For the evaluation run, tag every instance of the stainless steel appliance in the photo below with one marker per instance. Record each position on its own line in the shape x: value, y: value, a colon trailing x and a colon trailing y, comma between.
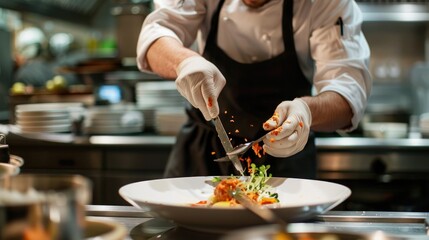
x: 6, y: 71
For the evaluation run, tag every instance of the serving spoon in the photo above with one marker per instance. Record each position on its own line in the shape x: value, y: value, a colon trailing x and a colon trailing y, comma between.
x: 242, y: 148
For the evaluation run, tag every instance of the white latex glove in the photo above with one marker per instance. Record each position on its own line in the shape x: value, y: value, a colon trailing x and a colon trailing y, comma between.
x: 290, y: 125
x: 200, y: 82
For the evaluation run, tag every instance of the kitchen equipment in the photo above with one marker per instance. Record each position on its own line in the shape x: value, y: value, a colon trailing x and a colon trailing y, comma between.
x: 4, y: 149
x: 173, y: 199
x: 5, y: 156
x: 36, y: 206
x: 419, y: 77
x: 242, y: 148
x: 227, y: 144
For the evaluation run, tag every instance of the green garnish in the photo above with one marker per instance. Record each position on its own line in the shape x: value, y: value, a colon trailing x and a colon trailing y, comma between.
x: 216, y: 179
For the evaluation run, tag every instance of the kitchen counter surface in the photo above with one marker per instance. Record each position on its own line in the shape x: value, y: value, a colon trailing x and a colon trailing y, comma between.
x: 141, y: 225
x: 337, y: 143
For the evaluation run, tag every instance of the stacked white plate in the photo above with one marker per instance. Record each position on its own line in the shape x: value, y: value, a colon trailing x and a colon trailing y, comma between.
x: 47, y: 117
x: 424, y: 125
x: 168, y: 121
x: 113, y: 119
x: 158, y: 94
x: 153, y: 95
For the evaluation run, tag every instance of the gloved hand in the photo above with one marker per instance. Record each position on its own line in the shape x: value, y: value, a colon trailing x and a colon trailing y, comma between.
x: 290, y: 127
x: 200, y: 82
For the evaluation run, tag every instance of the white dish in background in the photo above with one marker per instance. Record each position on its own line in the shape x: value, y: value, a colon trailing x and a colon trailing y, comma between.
x: 115, y: 119
x: 37, y: 109
x: 100, y: 229
x: 47, y: 117
x: 171, y: 198
x: 47, y: 106
x: 385, y: 129
x: 112, y: 130
x: 42, y: 117
x: 47, y: 129
x: 37, y: 123
x: 169, y: 121
x: 158, y: 94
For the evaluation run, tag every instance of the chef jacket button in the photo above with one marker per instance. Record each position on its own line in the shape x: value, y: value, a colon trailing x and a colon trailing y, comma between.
x: 266, y: 37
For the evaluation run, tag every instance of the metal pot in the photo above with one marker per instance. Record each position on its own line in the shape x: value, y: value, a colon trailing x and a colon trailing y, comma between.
x: 37, y: 206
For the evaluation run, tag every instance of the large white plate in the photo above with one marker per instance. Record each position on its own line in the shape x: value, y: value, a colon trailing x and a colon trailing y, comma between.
x: 170, y: 198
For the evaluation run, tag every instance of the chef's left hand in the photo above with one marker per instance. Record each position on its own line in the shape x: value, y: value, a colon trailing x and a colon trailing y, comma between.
x: 290, y: 127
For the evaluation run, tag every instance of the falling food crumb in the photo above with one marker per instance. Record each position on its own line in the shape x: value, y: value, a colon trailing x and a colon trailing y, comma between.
x: 229, y: 133
x: 251, y: 125
x: 213, y: 153
x: 237, y: 131
x: 245, y: 139
x: 226, y: 112
x: 232, y: 116
x: 232, y: 120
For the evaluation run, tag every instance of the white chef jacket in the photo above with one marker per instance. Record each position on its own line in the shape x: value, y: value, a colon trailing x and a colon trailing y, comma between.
x: 331, y: 60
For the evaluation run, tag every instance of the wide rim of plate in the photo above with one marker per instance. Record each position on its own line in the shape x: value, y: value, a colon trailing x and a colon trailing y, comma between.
x: 217, y: 219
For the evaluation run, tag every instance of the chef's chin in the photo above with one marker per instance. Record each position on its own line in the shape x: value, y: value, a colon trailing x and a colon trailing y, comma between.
x: 255, y: 3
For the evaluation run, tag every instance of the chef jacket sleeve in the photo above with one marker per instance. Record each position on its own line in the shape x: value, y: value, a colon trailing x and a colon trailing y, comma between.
x: 341, y: 53
x: 176, y: 19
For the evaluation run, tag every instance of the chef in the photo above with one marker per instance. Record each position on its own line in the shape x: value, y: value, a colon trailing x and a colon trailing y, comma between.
x: 292, y: 67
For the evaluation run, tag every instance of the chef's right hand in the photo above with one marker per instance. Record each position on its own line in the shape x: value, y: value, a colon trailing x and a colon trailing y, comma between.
x: 200, y: 82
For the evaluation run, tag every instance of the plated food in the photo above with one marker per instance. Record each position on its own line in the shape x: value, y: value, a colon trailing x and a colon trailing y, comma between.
x: 171, y: 198
x: 255, y: 187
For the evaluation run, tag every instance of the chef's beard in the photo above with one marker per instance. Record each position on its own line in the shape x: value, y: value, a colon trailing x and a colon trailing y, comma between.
x: 255, y: 3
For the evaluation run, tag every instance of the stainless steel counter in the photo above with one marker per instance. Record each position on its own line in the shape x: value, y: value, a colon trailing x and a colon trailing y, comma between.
x: 141, y: 225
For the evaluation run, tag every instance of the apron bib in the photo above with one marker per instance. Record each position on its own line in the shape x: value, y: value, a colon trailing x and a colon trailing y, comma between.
x: 249, y: 98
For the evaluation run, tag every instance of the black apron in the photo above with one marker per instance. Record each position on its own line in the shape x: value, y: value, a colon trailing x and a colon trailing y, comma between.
x: 250, y: 96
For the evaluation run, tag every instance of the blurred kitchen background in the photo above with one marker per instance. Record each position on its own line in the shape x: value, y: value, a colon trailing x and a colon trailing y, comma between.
x: 91, y: 44
x: 86, y: 49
